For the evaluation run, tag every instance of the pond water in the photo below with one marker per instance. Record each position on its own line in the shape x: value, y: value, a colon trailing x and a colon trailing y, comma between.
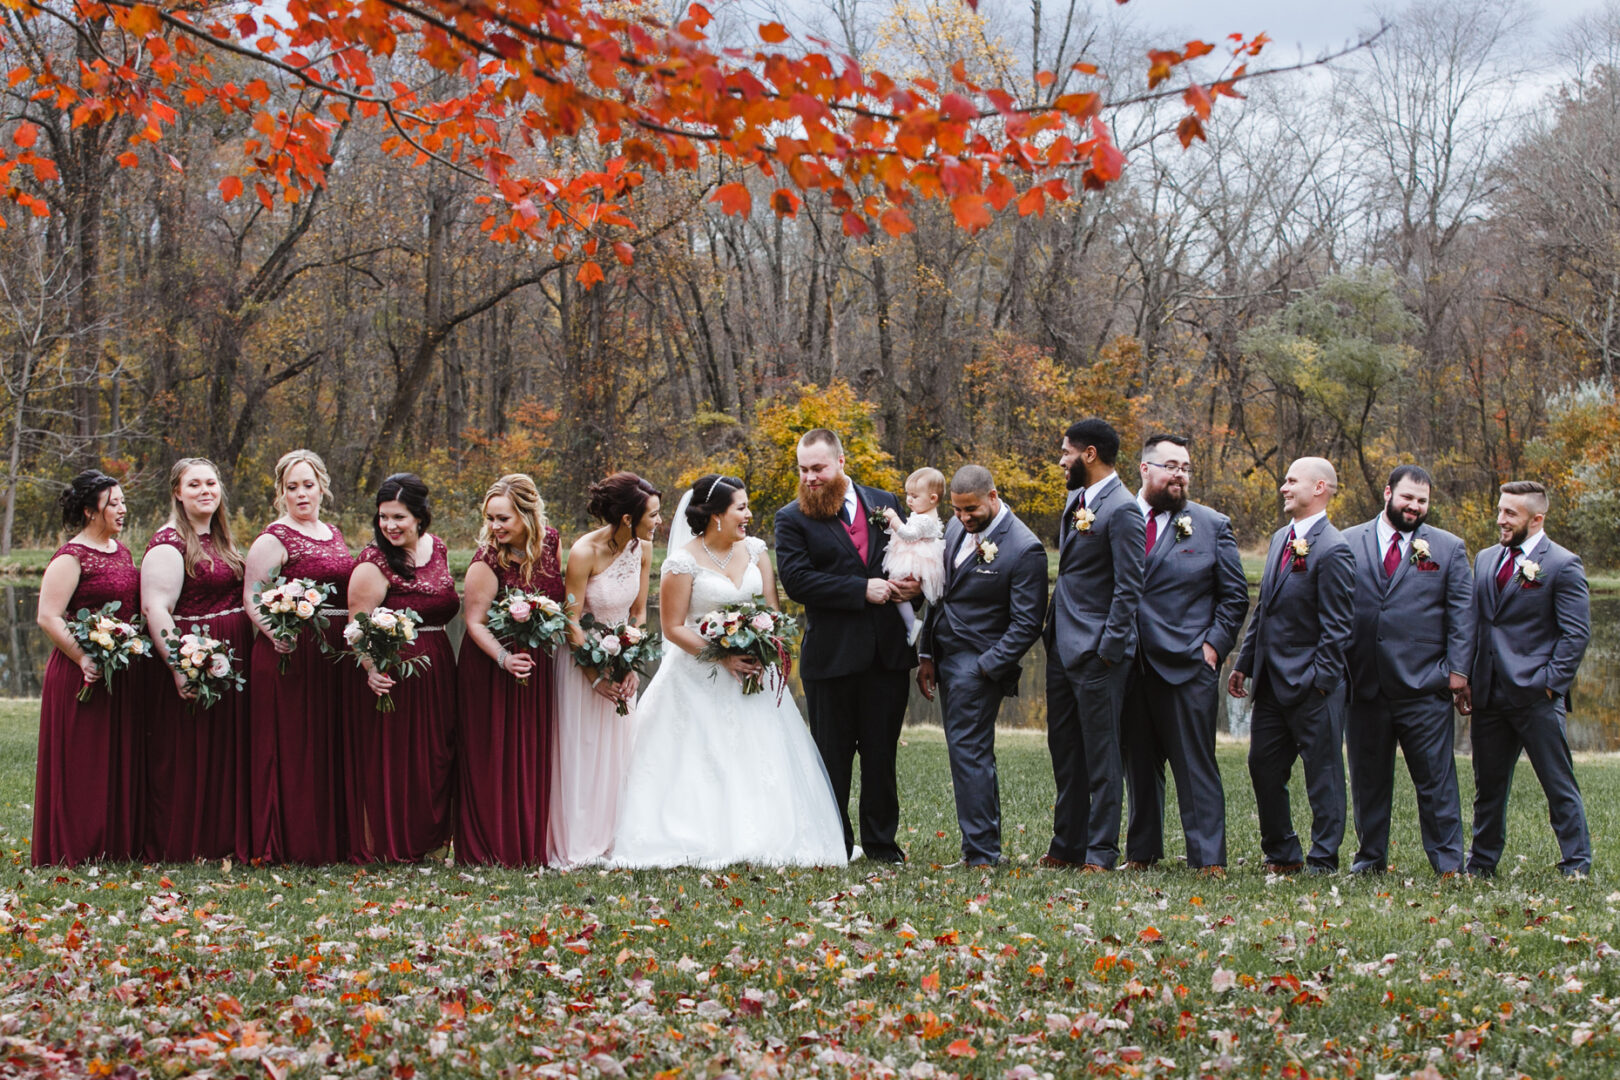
x: 1594, y: 723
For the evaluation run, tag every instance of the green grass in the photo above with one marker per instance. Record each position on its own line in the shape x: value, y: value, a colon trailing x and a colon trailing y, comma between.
x: 1021, y: 972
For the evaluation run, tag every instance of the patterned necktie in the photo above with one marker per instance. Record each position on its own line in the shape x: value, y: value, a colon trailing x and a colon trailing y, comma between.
x: 1152, y: 532
x: 1288, y: 552
x: 1504, y: 574
x: 1392, y: 557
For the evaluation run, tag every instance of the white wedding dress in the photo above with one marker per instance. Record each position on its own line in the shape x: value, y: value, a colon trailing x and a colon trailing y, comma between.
x: 718, y: 777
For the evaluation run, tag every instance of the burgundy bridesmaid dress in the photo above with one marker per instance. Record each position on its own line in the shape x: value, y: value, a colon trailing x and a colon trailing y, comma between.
x: 87, y: 786
x: 506, y: 738
x: 198, y: 783
x: 400, y: 766
x: 296, y: 716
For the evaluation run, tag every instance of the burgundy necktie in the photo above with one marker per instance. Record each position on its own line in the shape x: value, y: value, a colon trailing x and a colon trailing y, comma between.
x: 1152, y: 532
x: 1392, y: 557
x: 1288, y: 552
x: 1505, y: 573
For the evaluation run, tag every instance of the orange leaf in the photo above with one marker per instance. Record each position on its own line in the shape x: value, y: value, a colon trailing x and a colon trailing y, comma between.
x: 1151, y: 934
x: 961, y: 1048
x: 588, y: 276
x: 1032, y: 201
x: 25, y: 135
x: 1189, y: 129
x: 128, y: 159
x: 1044, y: 78
x: 733, y: 198
x: 972, y: 212
x: 896, y: 222
x: 142, y: 19
x: 855, y: 225
x: 784, y: 202
x: 773, y: 33
x: 1198, y: 98
x: 624, y: 252
x: 930, y: 982
x: 264, y: 196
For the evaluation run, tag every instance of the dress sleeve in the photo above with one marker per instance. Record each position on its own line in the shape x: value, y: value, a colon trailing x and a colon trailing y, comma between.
x: 166, y: 537
x: 679, y: 562
x: 756, y: 549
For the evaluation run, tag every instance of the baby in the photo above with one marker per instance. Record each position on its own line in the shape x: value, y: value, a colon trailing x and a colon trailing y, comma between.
x: 917, y: 545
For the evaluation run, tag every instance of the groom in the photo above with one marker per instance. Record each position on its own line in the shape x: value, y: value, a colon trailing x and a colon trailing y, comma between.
x: 990, y: 614
x: 855, y: 659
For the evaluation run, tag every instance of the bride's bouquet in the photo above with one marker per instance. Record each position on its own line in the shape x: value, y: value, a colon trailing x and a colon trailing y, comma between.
x: 108, y: 640
x: 528, y: 620
x: 208, y: 664
x: 380, y: 635
x: 752, y: 628
x: 287, y: 607
x: 615, y: 650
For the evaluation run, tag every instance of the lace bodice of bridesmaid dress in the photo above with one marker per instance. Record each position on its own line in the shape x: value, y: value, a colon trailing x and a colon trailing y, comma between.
x: 610, y: 593
x: 712, y: 589
x: 104, y: 576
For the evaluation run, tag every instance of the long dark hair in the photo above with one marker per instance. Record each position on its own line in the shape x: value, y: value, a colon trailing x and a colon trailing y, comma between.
x: 711, y: 497
x: 404, y: 488
x: 83, y: 494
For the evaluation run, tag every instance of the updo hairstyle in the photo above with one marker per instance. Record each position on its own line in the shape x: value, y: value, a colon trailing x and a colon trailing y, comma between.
x: 612, y: 497
x: 82, y: 497
x: 711, y: 497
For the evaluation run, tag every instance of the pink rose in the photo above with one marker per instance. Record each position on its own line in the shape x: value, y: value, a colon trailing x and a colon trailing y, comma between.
x: 520, y: 610
x: 610, y: 645
x: 219, y: 666
x: 761, y: 622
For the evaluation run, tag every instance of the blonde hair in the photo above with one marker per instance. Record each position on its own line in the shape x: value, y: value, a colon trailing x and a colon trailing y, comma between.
x: 323, y: 479
x: 929, y: 480
x: 219, y: 530
x: 530, y: 508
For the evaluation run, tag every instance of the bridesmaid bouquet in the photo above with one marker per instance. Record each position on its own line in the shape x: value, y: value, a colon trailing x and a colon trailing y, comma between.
x: 208, y: 664
x: 380, y: 634
x: 756, y: 630
x: 615, y: 650
x: 528, y: 620
x: 287, y: 607
x: 108, y: 640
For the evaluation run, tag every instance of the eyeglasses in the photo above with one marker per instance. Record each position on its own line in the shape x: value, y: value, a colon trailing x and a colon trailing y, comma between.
x: 1173, y: 470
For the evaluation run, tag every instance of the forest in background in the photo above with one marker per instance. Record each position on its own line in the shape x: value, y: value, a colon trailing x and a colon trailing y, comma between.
x: 1413, y: 254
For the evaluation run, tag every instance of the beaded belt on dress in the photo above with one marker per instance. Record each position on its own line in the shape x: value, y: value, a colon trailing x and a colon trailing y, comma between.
x: 210, y: 615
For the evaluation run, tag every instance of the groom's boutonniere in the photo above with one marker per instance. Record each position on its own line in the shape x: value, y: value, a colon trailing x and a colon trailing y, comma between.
x: 1530, y: 572
x: 1301, y: 547
x: 1420, y: 552
x: 1083, y: 519
x: 987, y: 552
x: 1183, y: 526
x: 877, y: 519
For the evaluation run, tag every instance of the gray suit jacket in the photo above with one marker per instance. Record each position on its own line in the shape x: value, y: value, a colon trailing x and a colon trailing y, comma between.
x: 1193, y: 592
x: 1304, y: 618
x: 1531, y: 636
x: 1415, y: 628
x: 1099, y: 580
x: 993, y: 608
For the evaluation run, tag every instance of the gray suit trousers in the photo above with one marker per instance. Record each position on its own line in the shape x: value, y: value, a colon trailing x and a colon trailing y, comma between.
x: 1422, y: 726
x: 1083, y: 706
x: 970, y: 703
x: 1312, y: 731
x: 1538, y: 729
x: 1175, y: 723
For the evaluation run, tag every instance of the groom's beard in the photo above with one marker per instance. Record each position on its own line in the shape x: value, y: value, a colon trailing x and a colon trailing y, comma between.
x: 825, y: 502
x: 1162, y: 500
x: 1076, y: 477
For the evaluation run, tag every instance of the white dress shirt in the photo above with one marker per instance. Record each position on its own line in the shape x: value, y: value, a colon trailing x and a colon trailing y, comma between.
x: 1094, y: 492
x: 970, y: 541
x: 1385, y: 532
x: 852, y: 503
x: 1527, y: 550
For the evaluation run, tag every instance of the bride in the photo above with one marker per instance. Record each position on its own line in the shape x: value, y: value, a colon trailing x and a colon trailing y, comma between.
x: 718, y: 777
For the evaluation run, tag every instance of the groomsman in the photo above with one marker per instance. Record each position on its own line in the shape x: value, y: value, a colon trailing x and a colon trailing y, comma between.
x: 1411, y: 653
x: 855, y: 659
x: 1090, y: 639
x: 1194, y: 597
x: 1530, y: 600
x: 1294, y: 651
x: 986, y: 620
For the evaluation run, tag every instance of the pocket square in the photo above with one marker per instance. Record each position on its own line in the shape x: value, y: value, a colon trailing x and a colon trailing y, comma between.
x: 1299, y: 566
x: 984, y: 570
x: 1428, y: 567
x: 1529, y: 584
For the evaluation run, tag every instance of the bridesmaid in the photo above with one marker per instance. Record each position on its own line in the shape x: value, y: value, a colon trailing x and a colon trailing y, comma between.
x: 401, y: 778
x: 507, y: 722
x: 608, y: 570
x: 87, y: 786
x: 198, y: 778
x: 297, y: 791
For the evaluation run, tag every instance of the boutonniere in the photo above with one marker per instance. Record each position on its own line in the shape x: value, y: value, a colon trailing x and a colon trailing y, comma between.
x: 1301, y: 547
x: 1529, y: 572
x: 877, y: 519
x: 987, y: 552
x: 1420, y: 552
x: 1083, y: 519
x: 1183, y: 526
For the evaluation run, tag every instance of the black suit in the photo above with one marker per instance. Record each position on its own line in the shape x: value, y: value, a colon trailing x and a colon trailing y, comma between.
x: 855, y: 661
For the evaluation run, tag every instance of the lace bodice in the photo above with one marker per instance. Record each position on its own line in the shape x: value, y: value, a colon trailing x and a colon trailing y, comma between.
x: 214, y: 587
x: 610, y: 593
x: 431, y: 593
x: 547, y: 577
x: 323, y: 560
x: 920, y: 527
x: 711, y: 588
x: 104, y: 576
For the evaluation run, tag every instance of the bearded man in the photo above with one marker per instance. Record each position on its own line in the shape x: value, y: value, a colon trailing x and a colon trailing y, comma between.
x: 855, y: 660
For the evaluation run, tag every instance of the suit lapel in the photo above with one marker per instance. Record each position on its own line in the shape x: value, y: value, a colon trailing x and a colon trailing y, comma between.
x: 1372, y: 559
x: 1066, y: 522
x: 1493, y: 598
x: 1516, y: 582
x: 1164, y: 541
x: 959, y: 574
x: 1278, y: 543
x: 953, y: 548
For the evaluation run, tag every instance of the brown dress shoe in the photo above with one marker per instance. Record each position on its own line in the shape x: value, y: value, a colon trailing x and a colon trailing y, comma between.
x: 1212, y: 871
x: 1095, y: 868
x: 1138, y: 864
x: 1052, y: 862
x: 1284, y: 867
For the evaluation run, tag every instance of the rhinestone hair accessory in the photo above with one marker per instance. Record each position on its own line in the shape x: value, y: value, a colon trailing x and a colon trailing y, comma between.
x: 712, y: 486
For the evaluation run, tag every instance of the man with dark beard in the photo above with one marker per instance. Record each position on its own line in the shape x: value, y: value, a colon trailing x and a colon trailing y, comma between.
x: 855, y: 660
x: 1534, y: 620
x: 1409, y: 657
x: 1194, y: 598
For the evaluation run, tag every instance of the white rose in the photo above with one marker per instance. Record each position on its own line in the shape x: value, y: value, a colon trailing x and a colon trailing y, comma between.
x: 610, y: 645
x: 407, y: 630
x: 385, y: 621
x: 312, y: 595
x: 633, y: 635
x: 219, y: 666
x: 352, y: 633
x: 306, y: 610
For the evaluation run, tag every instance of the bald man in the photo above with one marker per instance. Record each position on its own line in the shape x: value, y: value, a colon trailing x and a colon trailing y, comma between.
x: 1294, y: 651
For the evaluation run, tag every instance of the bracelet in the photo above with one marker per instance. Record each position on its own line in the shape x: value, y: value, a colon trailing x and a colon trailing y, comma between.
x: 500, y: 661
